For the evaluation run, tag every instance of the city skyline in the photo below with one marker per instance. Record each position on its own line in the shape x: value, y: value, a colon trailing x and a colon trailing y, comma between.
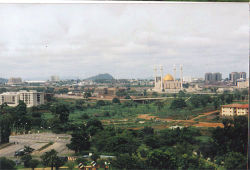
x: 124, y: 40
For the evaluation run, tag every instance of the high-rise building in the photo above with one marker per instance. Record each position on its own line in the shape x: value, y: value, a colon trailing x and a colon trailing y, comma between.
x: 216, y: 77
x: 55, y: 78
x: 234, y: 76
x: 243, y: 75
x: 208, y: 77
x: 213, y: 77
x: 14, y: 80
x: 30, y: 98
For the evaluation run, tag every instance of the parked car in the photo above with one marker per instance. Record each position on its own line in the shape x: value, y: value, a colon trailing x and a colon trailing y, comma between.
x: 20, y: 152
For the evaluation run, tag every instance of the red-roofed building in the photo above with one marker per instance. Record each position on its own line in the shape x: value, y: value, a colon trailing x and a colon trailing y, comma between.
x: 234, y: 110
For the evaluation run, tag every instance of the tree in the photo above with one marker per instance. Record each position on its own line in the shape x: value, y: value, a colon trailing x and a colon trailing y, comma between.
x: 205, y: 99
x: 127, y: 97
x: 78, y: 104
x: 152, y: 141
x: 181, y: 94
x: 28, y: 149
x: 229, y: 98
x: 79, y: 140
x: 159, y: 159
x: 178, y: 104
x: 148, y: 130
x: 62, y: 110
x: 195, y: 101
x: 59, y: 162
x: 87, y: 94
x: 94, y: 157
x: 189, y: 162
x: 93, y: 126
x: 5, y: 130
x: 119, y: 143
x: 85, y: 116
x: 116, y: 100
x: 235, y: 160
x: 159, y: 105
x: 224, y: 138
x: 126, y: 161
x: 7, y: 163
x: 26, y: 159
x: 21, y: 108
x: 33, y: 163
x: 51, y: 159
x: 216, y: 103
x: 100, y: 103
x: 70, y: 165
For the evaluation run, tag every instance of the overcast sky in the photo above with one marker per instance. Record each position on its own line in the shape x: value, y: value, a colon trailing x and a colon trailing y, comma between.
x: 125, y: 40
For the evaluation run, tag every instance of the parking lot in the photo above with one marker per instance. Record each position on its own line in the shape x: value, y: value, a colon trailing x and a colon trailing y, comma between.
x: 36, y: 141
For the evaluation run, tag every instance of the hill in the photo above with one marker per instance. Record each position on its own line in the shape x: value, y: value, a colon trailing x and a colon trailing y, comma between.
x: 2, y: 80
x: 105, y: 76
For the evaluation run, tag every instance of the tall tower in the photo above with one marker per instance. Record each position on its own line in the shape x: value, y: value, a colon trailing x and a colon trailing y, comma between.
x: 155, y: 70
x: 181, y: 76
x: 174, y: 72
x: 161, y: 68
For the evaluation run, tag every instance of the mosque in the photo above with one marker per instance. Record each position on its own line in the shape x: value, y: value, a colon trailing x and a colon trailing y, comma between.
x: 168, y: 83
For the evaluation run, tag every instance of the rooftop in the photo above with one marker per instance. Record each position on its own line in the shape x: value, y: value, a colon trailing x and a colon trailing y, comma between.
x: 236, y: 105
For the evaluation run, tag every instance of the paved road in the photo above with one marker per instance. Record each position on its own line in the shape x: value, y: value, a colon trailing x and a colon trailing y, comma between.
x: 36, y: 141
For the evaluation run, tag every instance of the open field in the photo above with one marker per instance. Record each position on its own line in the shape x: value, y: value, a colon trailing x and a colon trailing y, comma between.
x: 191, y: 122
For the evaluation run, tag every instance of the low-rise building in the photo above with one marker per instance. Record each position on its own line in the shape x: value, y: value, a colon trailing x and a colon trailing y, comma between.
x: 243, y: 84
x: 30, y: 98
x: 234, y: 110
x: 14, y: 80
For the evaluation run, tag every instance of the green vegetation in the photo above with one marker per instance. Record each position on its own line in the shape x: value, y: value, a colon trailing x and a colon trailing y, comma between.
x: 52, y: 160
x: 184, y: 148
x: 105, y: 127
x: 7, y: 163
x: 210, y: 0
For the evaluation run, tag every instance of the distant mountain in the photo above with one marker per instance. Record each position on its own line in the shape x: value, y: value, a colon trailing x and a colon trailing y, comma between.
x: 2, y: 80
x: 105, y: 76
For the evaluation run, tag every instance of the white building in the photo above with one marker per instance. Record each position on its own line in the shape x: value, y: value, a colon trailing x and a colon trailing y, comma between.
x: 14, y: 80
x: 187, y: 79
x: 234, y: 110
x: 168, y: 83
x: 55, y: 78
x: 243, y: 84
x: 30, y: 98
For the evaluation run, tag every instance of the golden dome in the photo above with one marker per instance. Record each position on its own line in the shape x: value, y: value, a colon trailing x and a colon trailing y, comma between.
x: 168, y: 77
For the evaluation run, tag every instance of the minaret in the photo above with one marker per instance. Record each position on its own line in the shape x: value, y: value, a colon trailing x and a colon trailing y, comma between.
x: 155, y: 70
x: 174, y: 72
x: 161, y: 68
x: 181, y: 76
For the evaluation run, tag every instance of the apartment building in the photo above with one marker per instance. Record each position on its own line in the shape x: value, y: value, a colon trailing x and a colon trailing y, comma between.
x: 14, y: 80
x: 234, y: 110
x: 213, y: 77
x: 30, y: 98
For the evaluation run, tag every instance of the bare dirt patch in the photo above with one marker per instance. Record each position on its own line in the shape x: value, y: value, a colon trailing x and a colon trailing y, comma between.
x: 207, y: 124
x: 191, y: 122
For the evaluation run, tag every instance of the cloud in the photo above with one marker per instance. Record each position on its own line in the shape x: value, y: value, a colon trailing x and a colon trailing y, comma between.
x: 126, y: 40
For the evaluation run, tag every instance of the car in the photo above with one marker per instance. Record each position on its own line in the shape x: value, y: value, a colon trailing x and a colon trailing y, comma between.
x: 20, y: 152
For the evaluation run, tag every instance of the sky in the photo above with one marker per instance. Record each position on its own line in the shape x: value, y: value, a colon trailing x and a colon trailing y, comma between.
x: 125, y: 40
